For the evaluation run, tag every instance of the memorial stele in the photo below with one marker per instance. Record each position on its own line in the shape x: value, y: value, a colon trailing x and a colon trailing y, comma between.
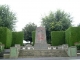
x: 40, y: 39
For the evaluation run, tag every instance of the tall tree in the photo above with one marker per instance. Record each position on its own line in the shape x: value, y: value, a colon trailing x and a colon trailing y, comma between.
x: 28, y: 31
x: 7, y: 18
x: 58, y: 21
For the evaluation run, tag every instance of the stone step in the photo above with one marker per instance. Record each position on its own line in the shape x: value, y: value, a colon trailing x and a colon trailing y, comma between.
x: 78, y: 54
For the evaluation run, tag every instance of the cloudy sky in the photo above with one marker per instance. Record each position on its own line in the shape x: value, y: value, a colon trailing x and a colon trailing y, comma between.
x: 33, y: 10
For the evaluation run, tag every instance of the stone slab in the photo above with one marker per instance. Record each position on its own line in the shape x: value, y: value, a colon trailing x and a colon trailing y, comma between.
x: 72, y: 51
x: 40, y: 39
x: 13, y: 52
x: 18, y: 46
x: 40, y: 35
x: 6, y: 56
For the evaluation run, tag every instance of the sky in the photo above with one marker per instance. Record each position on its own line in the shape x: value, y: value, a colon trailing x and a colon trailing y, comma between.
x: 33, y: 10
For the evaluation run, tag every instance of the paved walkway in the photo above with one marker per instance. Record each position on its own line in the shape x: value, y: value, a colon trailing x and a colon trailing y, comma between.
x: 47, y: 58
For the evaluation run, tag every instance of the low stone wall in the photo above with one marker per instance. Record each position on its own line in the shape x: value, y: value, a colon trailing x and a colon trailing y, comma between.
x: 42, y: 53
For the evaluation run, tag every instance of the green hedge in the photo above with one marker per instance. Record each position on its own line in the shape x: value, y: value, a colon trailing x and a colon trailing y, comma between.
x: 5, y: 37
x: 67, y: 36
x: 9, y: 38
x: 72, y: 35
x: 57, y: 38
x: 17, y: 38
x: 33, y: 37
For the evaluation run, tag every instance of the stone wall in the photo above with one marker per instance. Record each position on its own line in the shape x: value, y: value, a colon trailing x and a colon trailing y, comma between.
x: 42, y: 53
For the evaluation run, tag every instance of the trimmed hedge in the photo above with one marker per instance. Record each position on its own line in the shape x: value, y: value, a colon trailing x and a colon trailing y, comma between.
x: 5, y: 37
x: 67, y: 36
x: 33, y: 37
x: 57, y: 38
x: 72, y: 35
x: 9, y: 38
x: 17, y: 38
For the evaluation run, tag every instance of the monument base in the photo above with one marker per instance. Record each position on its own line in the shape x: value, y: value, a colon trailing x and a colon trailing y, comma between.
x: 42, y: 53
x: 39, y: 46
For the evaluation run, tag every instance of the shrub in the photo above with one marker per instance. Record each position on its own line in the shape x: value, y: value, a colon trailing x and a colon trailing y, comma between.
x: 67, y: 36
x: 33, y: 37
x: 72, y: 35
x: 57, y: 38
x: 5, y: 37
x: 9, y: 39
x: 17, y: 38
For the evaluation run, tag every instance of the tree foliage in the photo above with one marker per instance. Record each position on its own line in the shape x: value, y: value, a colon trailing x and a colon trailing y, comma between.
x: 7, y: 18
x: 58, y: 21
x: 28, y: 31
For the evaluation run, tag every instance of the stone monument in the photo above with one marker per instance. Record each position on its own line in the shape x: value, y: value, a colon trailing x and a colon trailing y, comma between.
x: 40, y: 39
x: 14, y: 52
